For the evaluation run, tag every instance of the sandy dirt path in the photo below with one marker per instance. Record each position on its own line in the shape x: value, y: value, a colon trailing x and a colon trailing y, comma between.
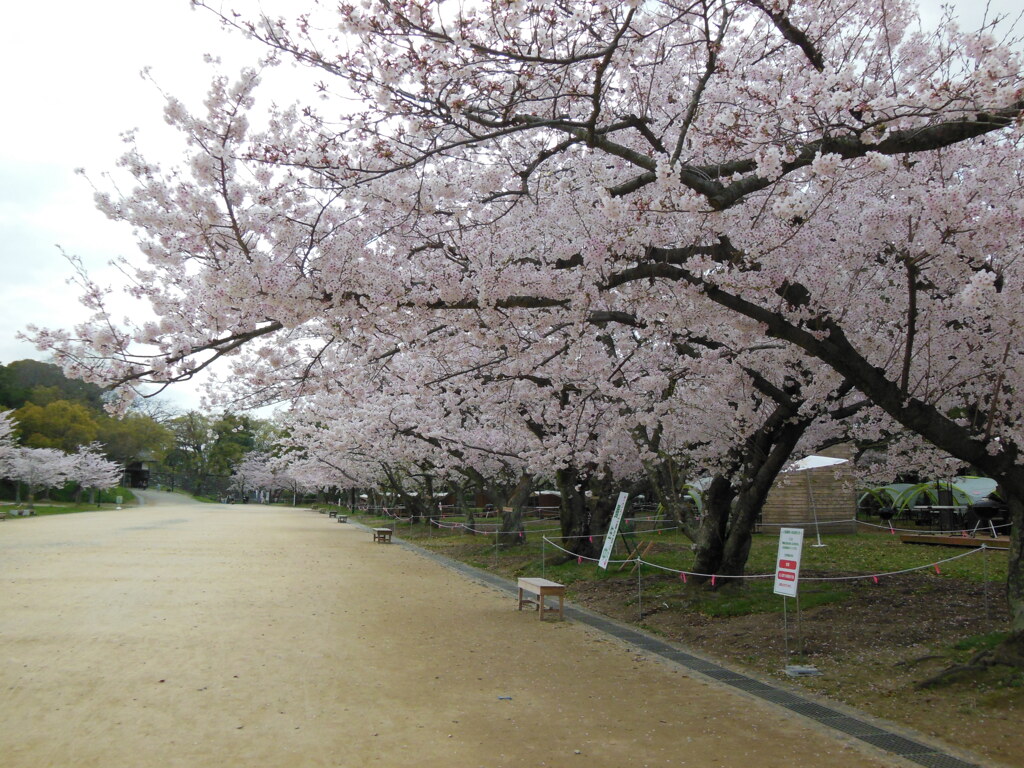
x: 180, y: 634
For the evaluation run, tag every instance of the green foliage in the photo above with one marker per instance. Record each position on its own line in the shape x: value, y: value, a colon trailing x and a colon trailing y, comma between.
x: 69, y: 494
x: 61, y: 424
x: 199, y: 451
x: 206, y: 448
x: 134, y: 437
x: 56, y: 412
x: 25, y: 381
x: 64, y: 505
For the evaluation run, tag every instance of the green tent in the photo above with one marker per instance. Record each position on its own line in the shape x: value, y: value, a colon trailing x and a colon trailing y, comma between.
x: 966, y: 491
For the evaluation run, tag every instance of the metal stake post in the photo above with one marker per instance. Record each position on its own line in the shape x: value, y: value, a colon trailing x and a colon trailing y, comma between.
x: 785, y: 627
x: 639, y: 589
x: 814, y: 511
x: 799, y: 625
x: 984, y: 554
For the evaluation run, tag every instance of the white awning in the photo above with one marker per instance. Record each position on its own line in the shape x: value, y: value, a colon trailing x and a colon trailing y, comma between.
x: 813, y: 462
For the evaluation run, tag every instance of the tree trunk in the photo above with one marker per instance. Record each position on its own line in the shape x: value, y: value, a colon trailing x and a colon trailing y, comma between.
x: 670, y: 491
x: 513, y: 533
x: 576, y: 517
x: 463, y: 509
x: 1013, y: 495
x: 750, y: 500
x: 430, y: 508
x: 710, y: 539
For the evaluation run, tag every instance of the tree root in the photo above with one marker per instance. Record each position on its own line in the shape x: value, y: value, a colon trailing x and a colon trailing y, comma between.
x: 950, y: 675
x: 919, y: 660
x: 1009, y: 653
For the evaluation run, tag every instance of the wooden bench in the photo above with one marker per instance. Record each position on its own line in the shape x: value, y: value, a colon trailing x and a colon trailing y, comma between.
x: 382, y: 535
x: 342, y: 518
x: 541, y: 588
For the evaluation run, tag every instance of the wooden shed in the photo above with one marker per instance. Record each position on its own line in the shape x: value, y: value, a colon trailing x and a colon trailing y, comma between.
x: 826, y: 494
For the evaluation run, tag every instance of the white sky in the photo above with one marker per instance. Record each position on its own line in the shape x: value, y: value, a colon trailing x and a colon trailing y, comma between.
x: 71, y: 86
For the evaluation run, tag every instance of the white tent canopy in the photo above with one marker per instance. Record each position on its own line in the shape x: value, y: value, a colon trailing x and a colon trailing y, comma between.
x: 813, y: 462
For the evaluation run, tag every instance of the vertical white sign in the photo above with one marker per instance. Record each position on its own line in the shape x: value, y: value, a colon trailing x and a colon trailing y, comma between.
x: 787, y: 563
x: 613, y: 530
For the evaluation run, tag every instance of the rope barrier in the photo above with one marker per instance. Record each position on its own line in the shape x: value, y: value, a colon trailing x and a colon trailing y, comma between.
x: 877, y: 576
x: 810, y: 523
x: 455, y: 526
x: 552, y: 540
x: 713, y: 576
x: 952, y: 532
x: 603, y: 535
x: 581, y: 558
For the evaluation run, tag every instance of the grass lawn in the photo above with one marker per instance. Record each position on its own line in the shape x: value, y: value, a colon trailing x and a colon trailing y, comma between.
x: 105, y: 500
x: 849, y: 555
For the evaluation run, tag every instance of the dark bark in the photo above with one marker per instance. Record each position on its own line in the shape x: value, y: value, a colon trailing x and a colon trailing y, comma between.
x: 710, y: 541
x: 575, y: 516
x: 751, y: 498
x: 1013, y: 495
x: 584, y: 519
x: 513, y: 532
x: 462, y: 508
x: 733, y: 501
x: 667, y: 480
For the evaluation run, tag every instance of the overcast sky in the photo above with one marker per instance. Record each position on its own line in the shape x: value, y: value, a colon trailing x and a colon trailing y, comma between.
x: 72, y: 85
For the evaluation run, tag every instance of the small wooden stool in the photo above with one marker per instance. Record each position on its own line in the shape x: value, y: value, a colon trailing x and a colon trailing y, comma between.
x: 541, y: 588
x: 382, y: 535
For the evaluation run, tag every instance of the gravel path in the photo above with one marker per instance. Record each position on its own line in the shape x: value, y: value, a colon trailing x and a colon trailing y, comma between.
x: 180, y: 634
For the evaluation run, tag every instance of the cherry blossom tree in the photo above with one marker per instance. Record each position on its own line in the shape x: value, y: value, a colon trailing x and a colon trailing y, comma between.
x: 91, y: 469
x: 255, y: 472
x: 39, y: 468
x: 848, y: 184
x: 8, y: 445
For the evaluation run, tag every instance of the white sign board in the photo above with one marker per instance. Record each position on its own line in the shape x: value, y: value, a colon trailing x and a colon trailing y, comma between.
x: 613, y: 530
x: 787, y: 563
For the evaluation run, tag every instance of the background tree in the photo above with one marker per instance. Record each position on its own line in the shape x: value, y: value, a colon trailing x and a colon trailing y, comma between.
x: 39, y: 469
x: 91, y: 470
x: 61, y: 424
x: 8, y: 442
x: 41, y: 383
x: 133, y: 437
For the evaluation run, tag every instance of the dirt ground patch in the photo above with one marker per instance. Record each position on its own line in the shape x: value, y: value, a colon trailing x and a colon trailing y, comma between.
x: 212, y: 635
